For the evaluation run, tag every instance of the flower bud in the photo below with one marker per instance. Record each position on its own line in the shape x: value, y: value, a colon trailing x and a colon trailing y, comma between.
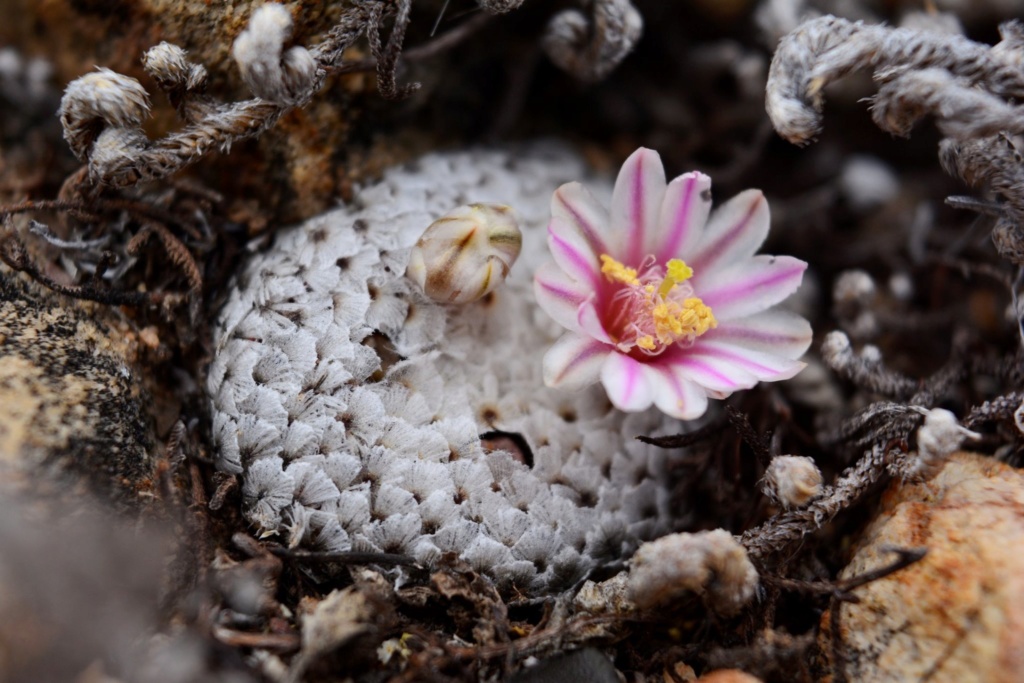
x: 466, y: 253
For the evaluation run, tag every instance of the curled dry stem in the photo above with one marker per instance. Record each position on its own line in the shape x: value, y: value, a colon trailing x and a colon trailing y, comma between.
x: 102, y: 112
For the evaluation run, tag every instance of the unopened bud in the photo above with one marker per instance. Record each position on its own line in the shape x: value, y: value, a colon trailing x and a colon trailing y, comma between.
x: 792, y: 481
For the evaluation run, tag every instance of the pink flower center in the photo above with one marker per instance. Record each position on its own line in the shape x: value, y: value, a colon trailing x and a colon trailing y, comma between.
x: 649, y: 309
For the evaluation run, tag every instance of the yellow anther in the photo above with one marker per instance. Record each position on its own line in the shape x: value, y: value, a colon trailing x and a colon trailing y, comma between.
x: 674, y: 321
x: 657, y: 313
x: 617, y: 272
x: 676, y: 271
x: 705, y: 318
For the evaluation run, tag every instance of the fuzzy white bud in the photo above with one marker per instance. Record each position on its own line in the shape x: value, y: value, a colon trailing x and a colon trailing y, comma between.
x: 871, y: 354
x: 711, y: 564
x: 867, y: 183
x: 168, y: 64
x: 274, y: 74
x: 938, y: 438
x: 590, y: 47
x: 853, y: 287
x: 118, y: 101
x: 792, y: 481
x: 835, y: 348
x: 1018, y: 418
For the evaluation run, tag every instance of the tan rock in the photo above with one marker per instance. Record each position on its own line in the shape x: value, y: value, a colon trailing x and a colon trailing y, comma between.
x: 958, y: 614
x: 71, y: 408
x: 728, y: 676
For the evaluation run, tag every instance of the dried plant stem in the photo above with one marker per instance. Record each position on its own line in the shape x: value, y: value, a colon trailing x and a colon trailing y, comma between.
x: 776, y: 534
x: 997, y: 409
x: 127, y: 158
x: 826, y: 49
x: 14, y: 254
x: 972, y: 90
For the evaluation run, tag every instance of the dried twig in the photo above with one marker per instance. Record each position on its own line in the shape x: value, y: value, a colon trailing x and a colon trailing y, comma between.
x: 824, y: 50
x: 786, y: 528
x: 971, y: 88
x: 760, y: 444
x: 688, y: 439
x: 179, y: 255
x: 387, y: 54
x: 14, y: 254
x: 995, y: 410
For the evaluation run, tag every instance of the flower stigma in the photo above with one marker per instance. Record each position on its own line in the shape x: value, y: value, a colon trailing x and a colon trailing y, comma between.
x: 653, y: 308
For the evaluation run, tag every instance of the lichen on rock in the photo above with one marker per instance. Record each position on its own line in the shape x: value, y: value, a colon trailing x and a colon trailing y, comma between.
x: 364, y: 416
x: 955, y: 615
x: 72, y: 405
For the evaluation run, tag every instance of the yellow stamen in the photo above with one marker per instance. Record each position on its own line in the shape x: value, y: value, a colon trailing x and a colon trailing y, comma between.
x: 660, y: 317
x: 673, y: 321
x: 617, y: 272
x: 705, y: 318
x: 676, y: 271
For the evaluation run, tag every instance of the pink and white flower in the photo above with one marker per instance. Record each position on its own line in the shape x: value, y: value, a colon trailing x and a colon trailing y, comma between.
x: 666, y: 302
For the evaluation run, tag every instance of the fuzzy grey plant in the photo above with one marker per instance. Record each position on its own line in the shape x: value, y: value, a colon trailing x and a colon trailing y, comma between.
x: 589, y: 45
x: 865, y: 368
x: 971, y: 89
x: 183, y: 82
x: 102, y: 112
x: 363, y: 415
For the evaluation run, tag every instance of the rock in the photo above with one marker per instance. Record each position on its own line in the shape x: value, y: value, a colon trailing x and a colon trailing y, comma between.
x: 73, y: 413
x: 728, y: 676
x: 958, y: 614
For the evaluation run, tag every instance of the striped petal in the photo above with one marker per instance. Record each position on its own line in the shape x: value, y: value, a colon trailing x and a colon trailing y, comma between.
x: 627, y: 383
x: 559, y: 295
x: 574, y: 361
x: 751, y: 286
x: 711, y: 373
x: 573, y: 253
x: 735, y: 231
x: 675, y: 394
x: 684, y: 211
x: 589, y: 322
x: 765, y: 367
x: 779, y: 332
x: 575, y: 206
x: 636, y: 204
